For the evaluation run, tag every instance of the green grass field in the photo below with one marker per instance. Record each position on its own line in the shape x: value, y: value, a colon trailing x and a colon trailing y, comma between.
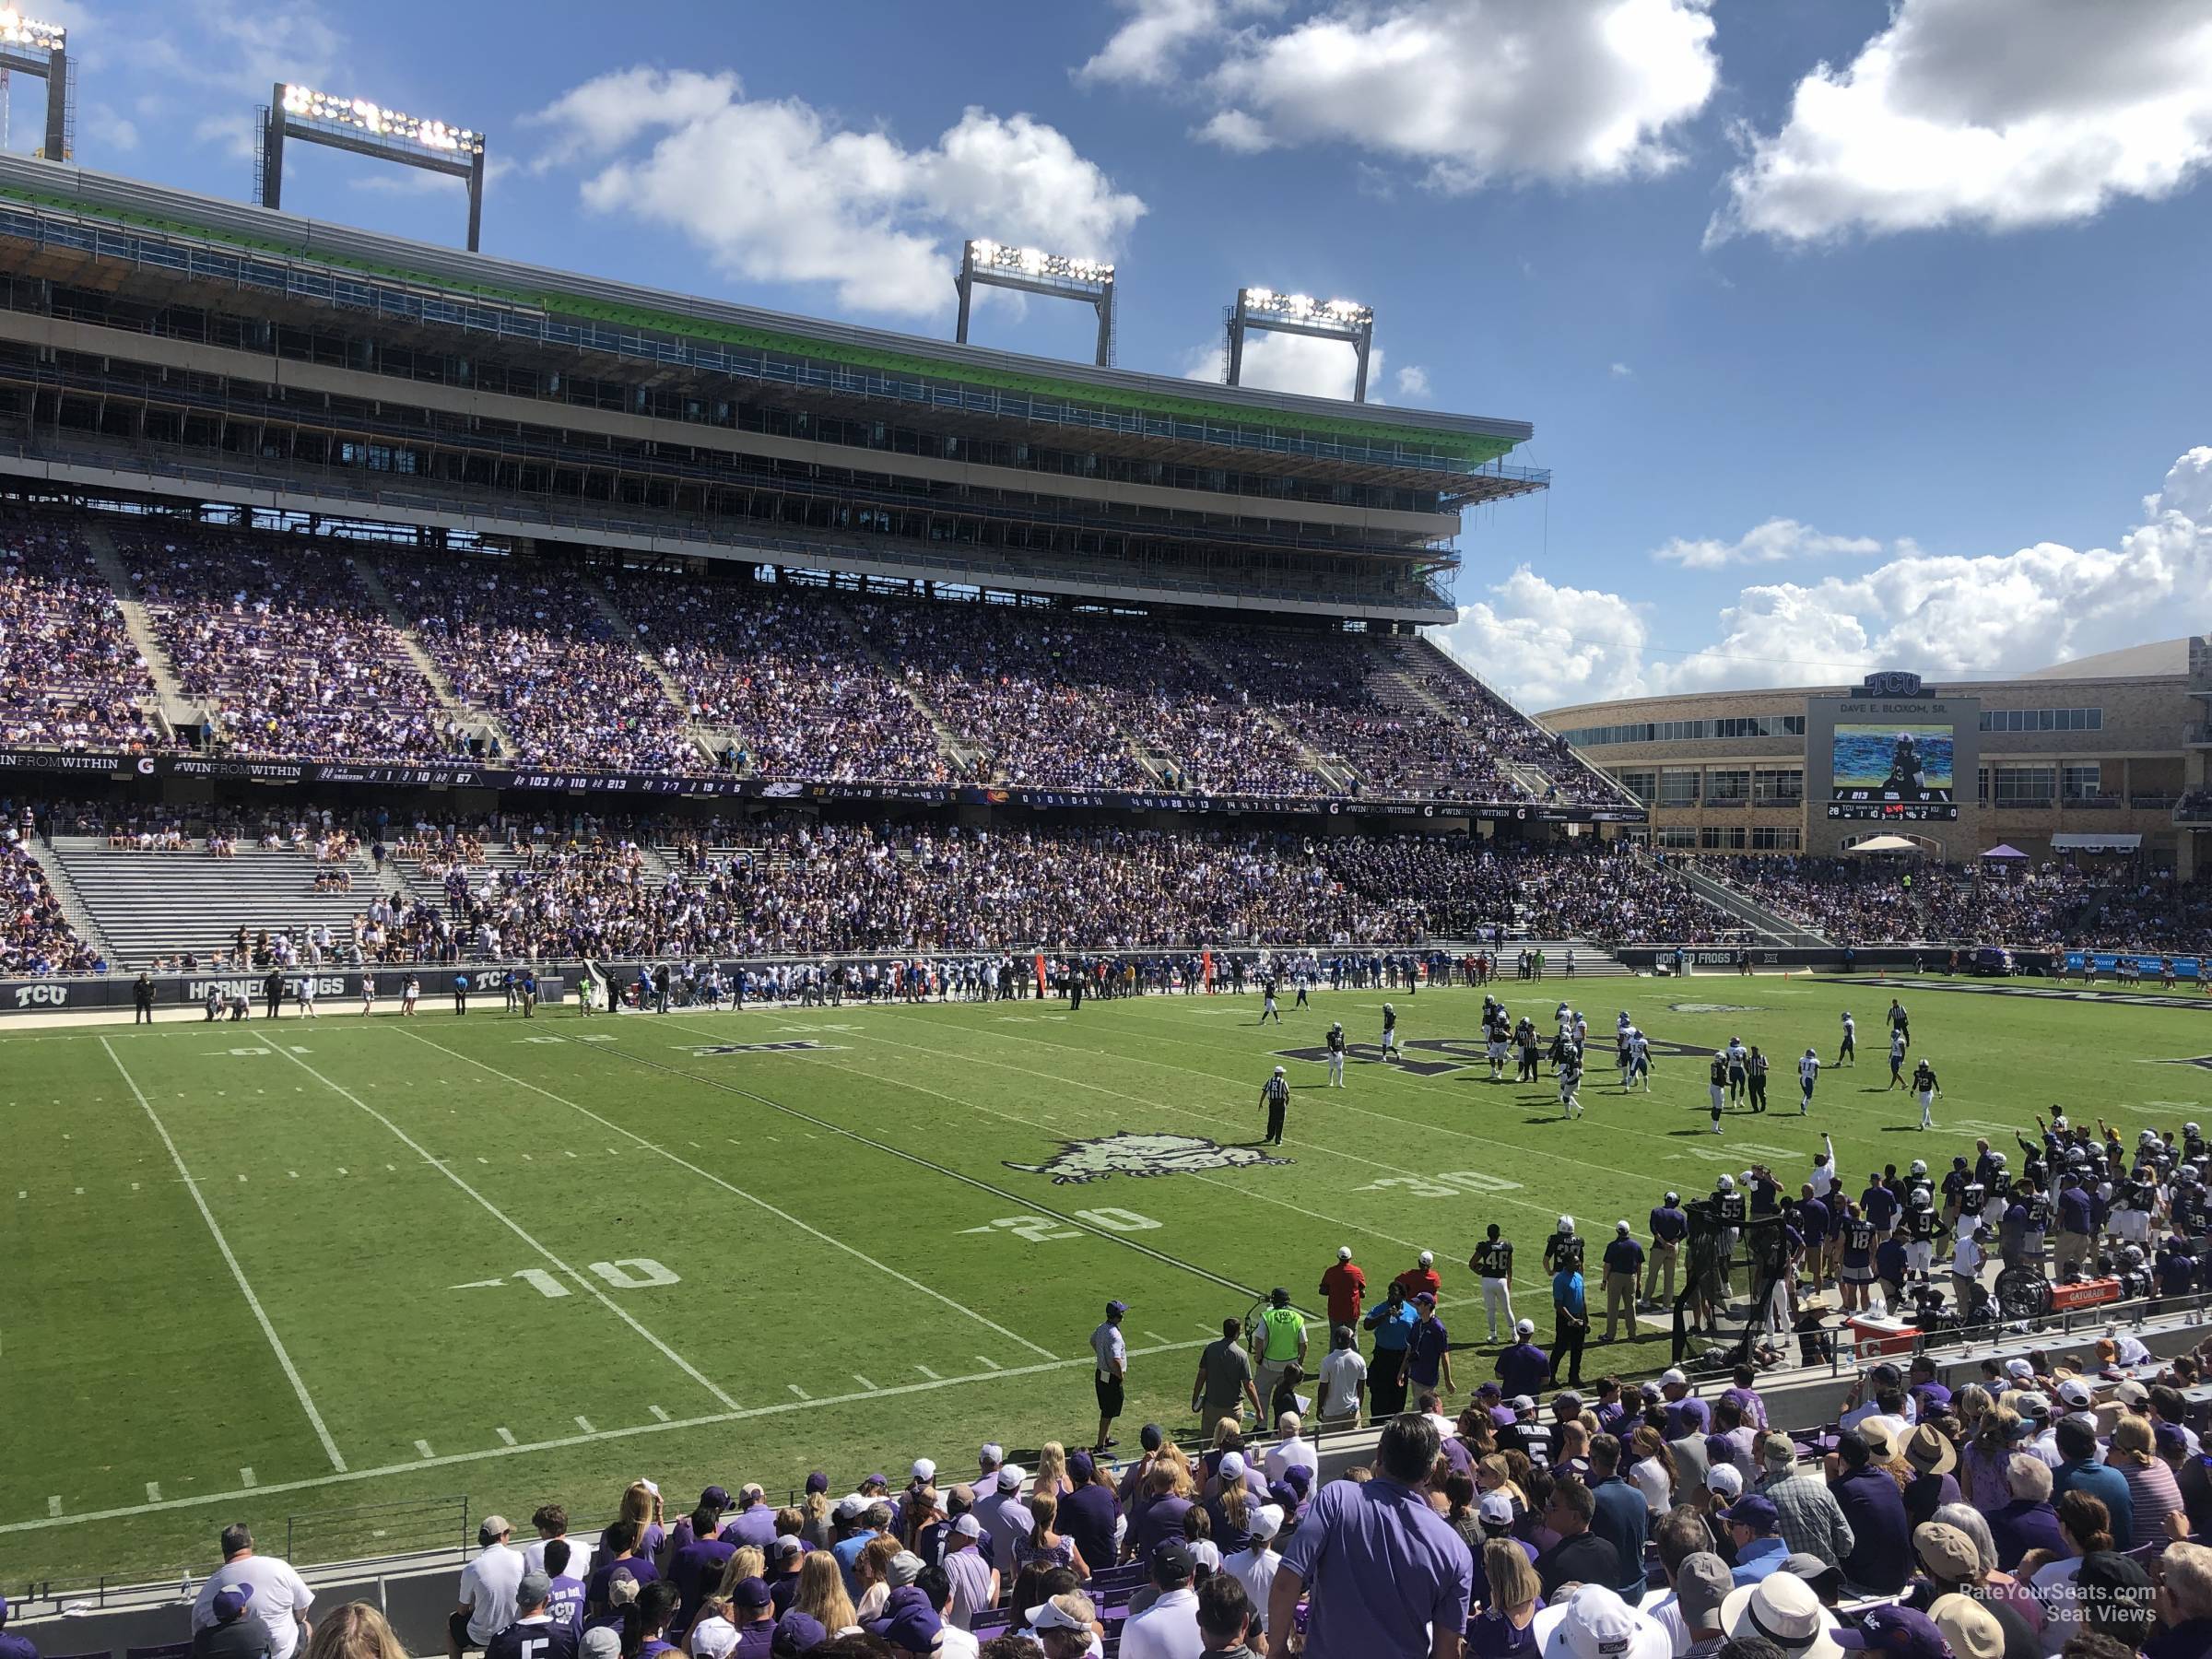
x: 524, y: 1262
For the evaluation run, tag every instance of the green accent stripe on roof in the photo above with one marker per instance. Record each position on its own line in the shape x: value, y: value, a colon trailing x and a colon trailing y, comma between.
x: 1473, y: 449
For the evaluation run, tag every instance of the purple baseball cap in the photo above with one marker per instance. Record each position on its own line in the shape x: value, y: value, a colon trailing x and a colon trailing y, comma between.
x: 714, y: 1498
x: 817, y: 1482
x: 230, y: 1601
x: 1895, y: 1630
x: 801, y: 1633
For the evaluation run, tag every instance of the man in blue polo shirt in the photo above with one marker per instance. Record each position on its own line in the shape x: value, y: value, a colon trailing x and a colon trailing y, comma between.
x: 1570, y: 1324
x: 1387, y: 1574
x: 1759, y: 1549
x: 1392, y: 1322
x: 1428, y: 1355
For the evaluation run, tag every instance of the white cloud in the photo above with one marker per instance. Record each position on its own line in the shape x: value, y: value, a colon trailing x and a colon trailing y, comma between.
x: 1770, y: 543
x: 1298, y: 363
x: 1991, y: 113
x: 228, y: 54
x: 1148, y: 49
x: 1234, y: 129
x: 1954, y: 618
x: 774, y: 191
x: 1413, y: 381
x: 1469, y: 91
x: 1621, y: 371
x: 607, y: 113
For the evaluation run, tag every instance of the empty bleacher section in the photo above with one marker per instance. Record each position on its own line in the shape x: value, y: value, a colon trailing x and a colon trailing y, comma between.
x: 167, y: 903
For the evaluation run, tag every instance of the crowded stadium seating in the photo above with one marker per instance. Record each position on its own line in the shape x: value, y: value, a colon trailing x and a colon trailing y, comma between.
x: 285, y: 644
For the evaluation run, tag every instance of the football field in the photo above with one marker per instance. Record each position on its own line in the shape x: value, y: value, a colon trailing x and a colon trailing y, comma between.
x: 255, y: 1271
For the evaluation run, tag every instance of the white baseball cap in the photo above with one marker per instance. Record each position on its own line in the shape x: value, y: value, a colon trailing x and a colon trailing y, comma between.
x: 1266, y: 1521
x: 1233, y: 1465
x: 1344, y: 1252
x: 1599, y: 1625
x: 1428, y: 1258
x: 925, y: 1469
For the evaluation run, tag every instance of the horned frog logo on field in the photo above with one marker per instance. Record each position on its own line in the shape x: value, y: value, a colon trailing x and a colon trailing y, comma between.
x: 1126, y: 1154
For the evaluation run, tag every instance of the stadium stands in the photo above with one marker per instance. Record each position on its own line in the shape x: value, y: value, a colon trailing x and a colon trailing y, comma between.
x: 70, y: 677
x: 284, y: 647
x: 287, y: 647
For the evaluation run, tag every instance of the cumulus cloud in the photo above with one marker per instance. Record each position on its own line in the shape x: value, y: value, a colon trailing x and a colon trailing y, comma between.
x: 1948, y: 617
x: 1991, y: 113
x: 774, y: 191
x: 1413, y: 381
x: 1148, y: 48
x: 1283, y: 362
x: 1772, y: 543
x: 1466, y: 90
x: 1621, y: 371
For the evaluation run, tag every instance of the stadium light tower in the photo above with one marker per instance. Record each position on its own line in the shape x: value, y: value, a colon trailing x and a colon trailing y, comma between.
x: 1055, y: 276
x: 41, y: 48
x: 367, y: 129
x: 1300, y: 314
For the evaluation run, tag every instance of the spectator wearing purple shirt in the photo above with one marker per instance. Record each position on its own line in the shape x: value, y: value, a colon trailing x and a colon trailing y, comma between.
x: 1087, y: 1514
x: 2028, y: 1521
x: 696, y: 1568
x: 1387, y: 1573
x: 755, y: 1522
x: 1524, y: 1369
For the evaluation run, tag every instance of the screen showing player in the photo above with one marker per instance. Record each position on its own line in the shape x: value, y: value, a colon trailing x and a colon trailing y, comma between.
x: 1892, y: 762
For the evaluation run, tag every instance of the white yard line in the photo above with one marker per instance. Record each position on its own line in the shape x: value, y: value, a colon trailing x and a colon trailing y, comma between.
x: 709, y: 1175
x: 590, y: 1286
x: 292, y: 1372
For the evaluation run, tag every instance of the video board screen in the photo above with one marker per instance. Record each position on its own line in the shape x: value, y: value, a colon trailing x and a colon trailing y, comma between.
x: 1903, y: 759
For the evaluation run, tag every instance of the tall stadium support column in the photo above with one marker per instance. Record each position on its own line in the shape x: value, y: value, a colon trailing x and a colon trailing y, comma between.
x: 1345, y: 319
x: 41, y: 48
x: 1032, y: 271
x: 368, y: 129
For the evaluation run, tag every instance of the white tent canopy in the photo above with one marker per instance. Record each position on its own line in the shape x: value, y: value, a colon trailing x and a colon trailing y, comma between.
x: 1885, y: 843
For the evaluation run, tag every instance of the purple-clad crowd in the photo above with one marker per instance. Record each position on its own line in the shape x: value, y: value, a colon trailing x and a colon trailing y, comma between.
x: 70, y: 676
x: 35, y: 936
x: 285, y: 648
x: 287, y: 644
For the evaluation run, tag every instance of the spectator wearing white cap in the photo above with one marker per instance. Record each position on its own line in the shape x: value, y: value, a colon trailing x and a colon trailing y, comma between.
x: 1598, y: 1625
x: 1292, y: 1449
x: 534, y: 1632
x: 1255, y: 1565
x: 974, y: 1580
x: 755, y: 1522
x: 1008, y: 1519
x: 279, y: 1598
x: 487, y: 1590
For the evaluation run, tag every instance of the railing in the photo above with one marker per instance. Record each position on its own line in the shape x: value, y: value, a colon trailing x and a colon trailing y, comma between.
x: 149, y: 461
x: 2090, y: 803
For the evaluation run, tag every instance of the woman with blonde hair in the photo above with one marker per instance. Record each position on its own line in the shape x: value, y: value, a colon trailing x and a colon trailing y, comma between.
x: 817, y: 1529
x: 747, y: 1561
x: 822, y: 1594
x: 1052, y: 1471
x: 2150, y: 1484
x: 642, y: 1508
x: 1175, y: 1459
x: 356, y: 1630
x: 1982, y: 1462
x: 1502, y: 1629
x: 1493, y: 1474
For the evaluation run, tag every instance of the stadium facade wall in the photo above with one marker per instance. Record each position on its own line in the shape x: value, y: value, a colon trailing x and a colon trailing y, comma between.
x: 2124, y: 777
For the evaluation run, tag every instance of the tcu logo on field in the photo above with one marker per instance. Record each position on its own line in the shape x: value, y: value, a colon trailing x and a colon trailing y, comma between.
x: 32, y: 996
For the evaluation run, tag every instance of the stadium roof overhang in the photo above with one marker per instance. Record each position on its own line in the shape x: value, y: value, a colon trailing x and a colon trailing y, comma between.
x: 158, y: 229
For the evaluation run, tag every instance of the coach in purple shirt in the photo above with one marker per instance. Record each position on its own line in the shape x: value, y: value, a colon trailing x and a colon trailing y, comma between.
x: 1388, y: 1575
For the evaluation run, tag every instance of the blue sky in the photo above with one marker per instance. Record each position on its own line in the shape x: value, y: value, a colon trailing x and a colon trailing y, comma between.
x: 1852, y: 336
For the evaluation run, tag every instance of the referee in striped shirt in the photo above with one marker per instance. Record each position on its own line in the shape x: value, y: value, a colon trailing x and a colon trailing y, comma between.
x: 1275, y: 1096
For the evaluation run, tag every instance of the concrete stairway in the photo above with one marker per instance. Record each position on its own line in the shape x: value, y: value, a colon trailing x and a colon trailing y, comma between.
x: 65, y: 894
x: 1338, y: 779
x: 171, y: 709
x: 963, y: 757
x: 709, y: 742
x: 149, y: 904
x: 478, y: 723
x: 1767, y: 927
